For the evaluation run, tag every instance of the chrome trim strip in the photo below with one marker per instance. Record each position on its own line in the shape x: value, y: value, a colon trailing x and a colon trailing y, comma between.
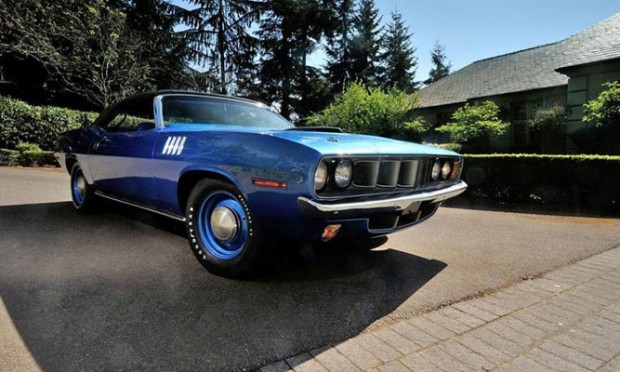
x: 159, y: 112
x: 162, y: 213
x: 398, y: 203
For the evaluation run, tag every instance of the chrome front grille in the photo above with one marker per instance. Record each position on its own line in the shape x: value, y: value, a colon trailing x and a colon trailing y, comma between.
x: 388, y: 173
x: 408, y: 172
x: 403, y: 173
x: 365, y: 173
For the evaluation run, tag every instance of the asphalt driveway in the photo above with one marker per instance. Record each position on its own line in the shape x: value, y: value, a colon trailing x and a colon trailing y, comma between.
x: 121, y: 289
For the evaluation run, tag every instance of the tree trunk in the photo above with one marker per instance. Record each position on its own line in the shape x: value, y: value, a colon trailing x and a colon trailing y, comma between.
x: 221, y: 49
x: 285, y: 108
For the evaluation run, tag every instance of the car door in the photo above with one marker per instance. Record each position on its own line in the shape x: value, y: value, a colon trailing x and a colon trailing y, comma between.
x: 121, y: 156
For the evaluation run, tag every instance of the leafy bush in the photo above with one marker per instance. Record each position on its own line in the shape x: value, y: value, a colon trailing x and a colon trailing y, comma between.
x: 602, y: 134
x: 9, y: 157
x: 472, y: 125
x: 37, y: 158
x: 550, y: 124
x: 40, y: 125
x: 568, y: 183
x: 373, y: 111
x: 27, y: 154
x: 605, y: 109
x: 27, y: 147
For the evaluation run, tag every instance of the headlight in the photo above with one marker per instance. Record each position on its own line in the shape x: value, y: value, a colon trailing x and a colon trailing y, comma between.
x: 446, y: 170
x: 320, y: 176
x: 343, y: 173
x: 436, y: 170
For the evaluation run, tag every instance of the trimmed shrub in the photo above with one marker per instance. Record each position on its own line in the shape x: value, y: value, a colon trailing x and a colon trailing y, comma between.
x: 9, y: 157
x: 565, y: 183
x: 40, y: 125
x: 38, y: 159
x: 27, y: 155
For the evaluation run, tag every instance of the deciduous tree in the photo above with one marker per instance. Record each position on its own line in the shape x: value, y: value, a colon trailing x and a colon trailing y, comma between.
x: 360, y: 109
x: 472, y: 125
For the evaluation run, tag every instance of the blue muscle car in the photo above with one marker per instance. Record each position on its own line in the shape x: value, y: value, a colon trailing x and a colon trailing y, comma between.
x: 238, y: 174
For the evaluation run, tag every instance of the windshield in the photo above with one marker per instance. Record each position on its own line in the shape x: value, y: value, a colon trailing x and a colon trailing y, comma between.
x: 219, y: 111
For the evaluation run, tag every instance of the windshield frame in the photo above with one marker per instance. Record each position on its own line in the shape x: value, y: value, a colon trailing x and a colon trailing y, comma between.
x: 159, y: 108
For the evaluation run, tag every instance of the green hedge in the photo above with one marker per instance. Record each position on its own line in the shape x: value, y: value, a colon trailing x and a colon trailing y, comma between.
x: 9, y: 157
x: 40, y: 125
x: 28, y: 155
x: 565, y: 183
x: 38, y: 158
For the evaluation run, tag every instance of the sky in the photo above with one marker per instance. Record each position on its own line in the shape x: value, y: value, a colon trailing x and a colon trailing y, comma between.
x: 472, y: 30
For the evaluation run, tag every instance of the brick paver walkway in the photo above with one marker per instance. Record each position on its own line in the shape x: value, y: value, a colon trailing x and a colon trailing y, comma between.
x: 567, y: 320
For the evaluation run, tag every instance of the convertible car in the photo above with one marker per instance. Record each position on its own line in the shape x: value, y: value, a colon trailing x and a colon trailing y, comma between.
x: 237, y: 174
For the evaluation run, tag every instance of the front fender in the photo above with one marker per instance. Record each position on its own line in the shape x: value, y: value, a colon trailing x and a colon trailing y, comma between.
x: 241, y: 159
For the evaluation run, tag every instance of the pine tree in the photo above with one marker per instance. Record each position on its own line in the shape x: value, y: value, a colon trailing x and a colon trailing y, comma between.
x: 339, y: 47
x: 441, y: 67
x: 366, y: 43
x: 219, y: 37
x: 400, y: 62
x: 165, y: 52
x: 289, y: 32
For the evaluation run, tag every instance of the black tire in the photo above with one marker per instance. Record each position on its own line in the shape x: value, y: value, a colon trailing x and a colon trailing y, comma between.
x: 82, y: 193
x: 221, y: 230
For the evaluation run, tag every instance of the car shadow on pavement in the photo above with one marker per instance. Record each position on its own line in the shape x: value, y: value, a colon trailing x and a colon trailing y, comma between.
x: 109, y: 292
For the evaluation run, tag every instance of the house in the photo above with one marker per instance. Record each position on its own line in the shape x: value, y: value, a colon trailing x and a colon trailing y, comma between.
x: 568, y: 73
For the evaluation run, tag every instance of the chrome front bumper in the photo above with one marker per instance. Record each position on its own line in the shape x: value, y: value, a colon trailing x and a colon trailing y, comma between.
x: 311, y: 208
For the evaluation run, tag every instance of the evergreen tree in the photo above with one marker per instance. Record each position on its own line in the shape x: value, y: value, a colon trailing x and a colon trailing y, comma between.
x: 366, y: 43
x: 441, y: 67
x: 218, y: 37
x: 165, y: 52
x: 313, y: 20
x: 400, y: 62
x: 289, y: 32
x: 339, y: 46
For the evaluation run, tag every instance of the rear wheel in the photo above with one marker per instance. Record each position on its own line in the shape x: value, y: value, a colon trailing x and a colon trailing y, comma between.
x: 221, y: 230
x: 82, y: 194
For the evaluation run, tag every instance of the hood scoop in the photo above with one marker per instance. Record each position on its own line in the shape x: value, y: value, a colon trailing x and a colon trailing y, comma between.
x: 318, y: 129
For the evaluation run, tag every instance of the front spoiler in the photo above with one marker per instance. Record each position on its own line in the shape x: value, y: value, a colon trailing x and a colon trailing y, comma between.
x: 314, y: 209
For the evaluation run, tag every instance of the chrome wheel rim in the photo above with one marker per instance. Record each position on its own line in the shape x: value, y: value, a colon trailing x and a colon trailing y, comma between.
x: 223, y: 225
x: 78, y: 187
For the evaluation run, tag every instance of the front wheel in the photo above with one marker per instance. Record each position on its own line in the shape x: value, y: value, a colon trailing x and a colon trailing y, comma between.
x: 221, y: 230
x: 82, y: 194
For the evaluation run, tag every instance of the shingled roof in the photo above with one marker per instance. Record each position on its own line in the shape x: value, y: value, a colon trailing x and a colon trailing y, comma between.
x: 527, y: 69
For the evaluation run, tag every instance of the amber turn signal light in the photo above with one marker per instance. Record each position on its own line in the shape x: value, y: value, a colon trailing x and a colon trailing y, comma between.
x: 330, y: 232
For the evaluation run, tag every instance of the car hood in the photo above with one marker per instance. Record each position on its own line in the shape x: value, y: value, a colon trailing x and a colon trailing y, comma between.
x: 357, y: 144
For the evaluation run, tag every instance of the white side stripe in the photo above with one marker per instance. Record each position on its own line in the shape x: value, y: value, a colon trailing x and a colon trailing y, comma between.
x: 174, y: 145
x: 180, y: 150
x: 167, y: 146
